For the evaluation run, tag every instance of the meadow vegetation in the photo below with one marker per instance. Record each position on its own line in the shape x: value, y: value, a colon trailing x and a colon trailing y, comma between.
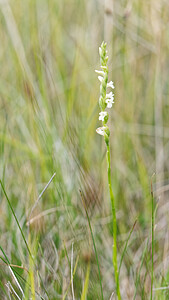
x: 55, y: 213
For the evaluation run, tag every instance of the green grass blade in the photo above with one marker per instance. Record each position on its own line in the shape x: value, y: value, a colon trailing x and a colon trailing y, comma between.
x: 7, y: 262
x: 4, y: 290
x: 86, y: 284
x: 138, y: 276
x: 125, y: 247
x: 94, y: 245
x: 9, y: 203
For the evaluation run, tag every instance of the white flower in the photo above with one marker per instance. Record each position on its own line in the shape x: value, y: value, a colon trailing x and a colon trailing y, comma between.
x: 109, y: 102
x: 109, y: 99
x: 102, y: 115
x: 104, y: 67
x: 100, y: 78
x: 100, y: 72
x: 110, y: 95
x: 100, y: 130
x: 111, y: 84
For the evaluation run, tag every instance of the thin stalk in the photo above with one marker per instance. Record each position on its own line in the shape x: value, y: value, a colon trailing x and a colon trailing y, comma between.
x: 114, y: 256
x: 74, y: 271
x: 152, y: 240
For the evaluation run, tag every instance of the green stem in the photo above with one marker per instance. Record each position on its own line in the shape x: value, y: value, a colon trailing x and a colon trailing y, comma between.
x: 114, y: 257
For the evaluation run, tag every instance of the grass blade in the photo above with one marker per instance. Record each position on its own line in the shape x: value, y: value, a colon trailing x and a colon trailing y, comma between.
x: 9, y: 203
x: 138, y: 276
x: 94, y: 245
x: 86, y: 284
x: 74, y: 271
x: 72, y: 274
x: 125, y: 247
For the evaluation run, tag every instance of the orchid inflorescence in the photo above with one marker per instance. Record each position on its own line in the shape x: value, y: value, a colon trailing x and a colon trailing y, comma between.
x: 106, y: 99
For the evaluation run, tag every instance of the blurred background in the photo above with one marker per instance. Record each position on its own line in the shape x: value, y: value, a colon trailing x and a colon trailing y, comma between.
x: 48, y: 118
